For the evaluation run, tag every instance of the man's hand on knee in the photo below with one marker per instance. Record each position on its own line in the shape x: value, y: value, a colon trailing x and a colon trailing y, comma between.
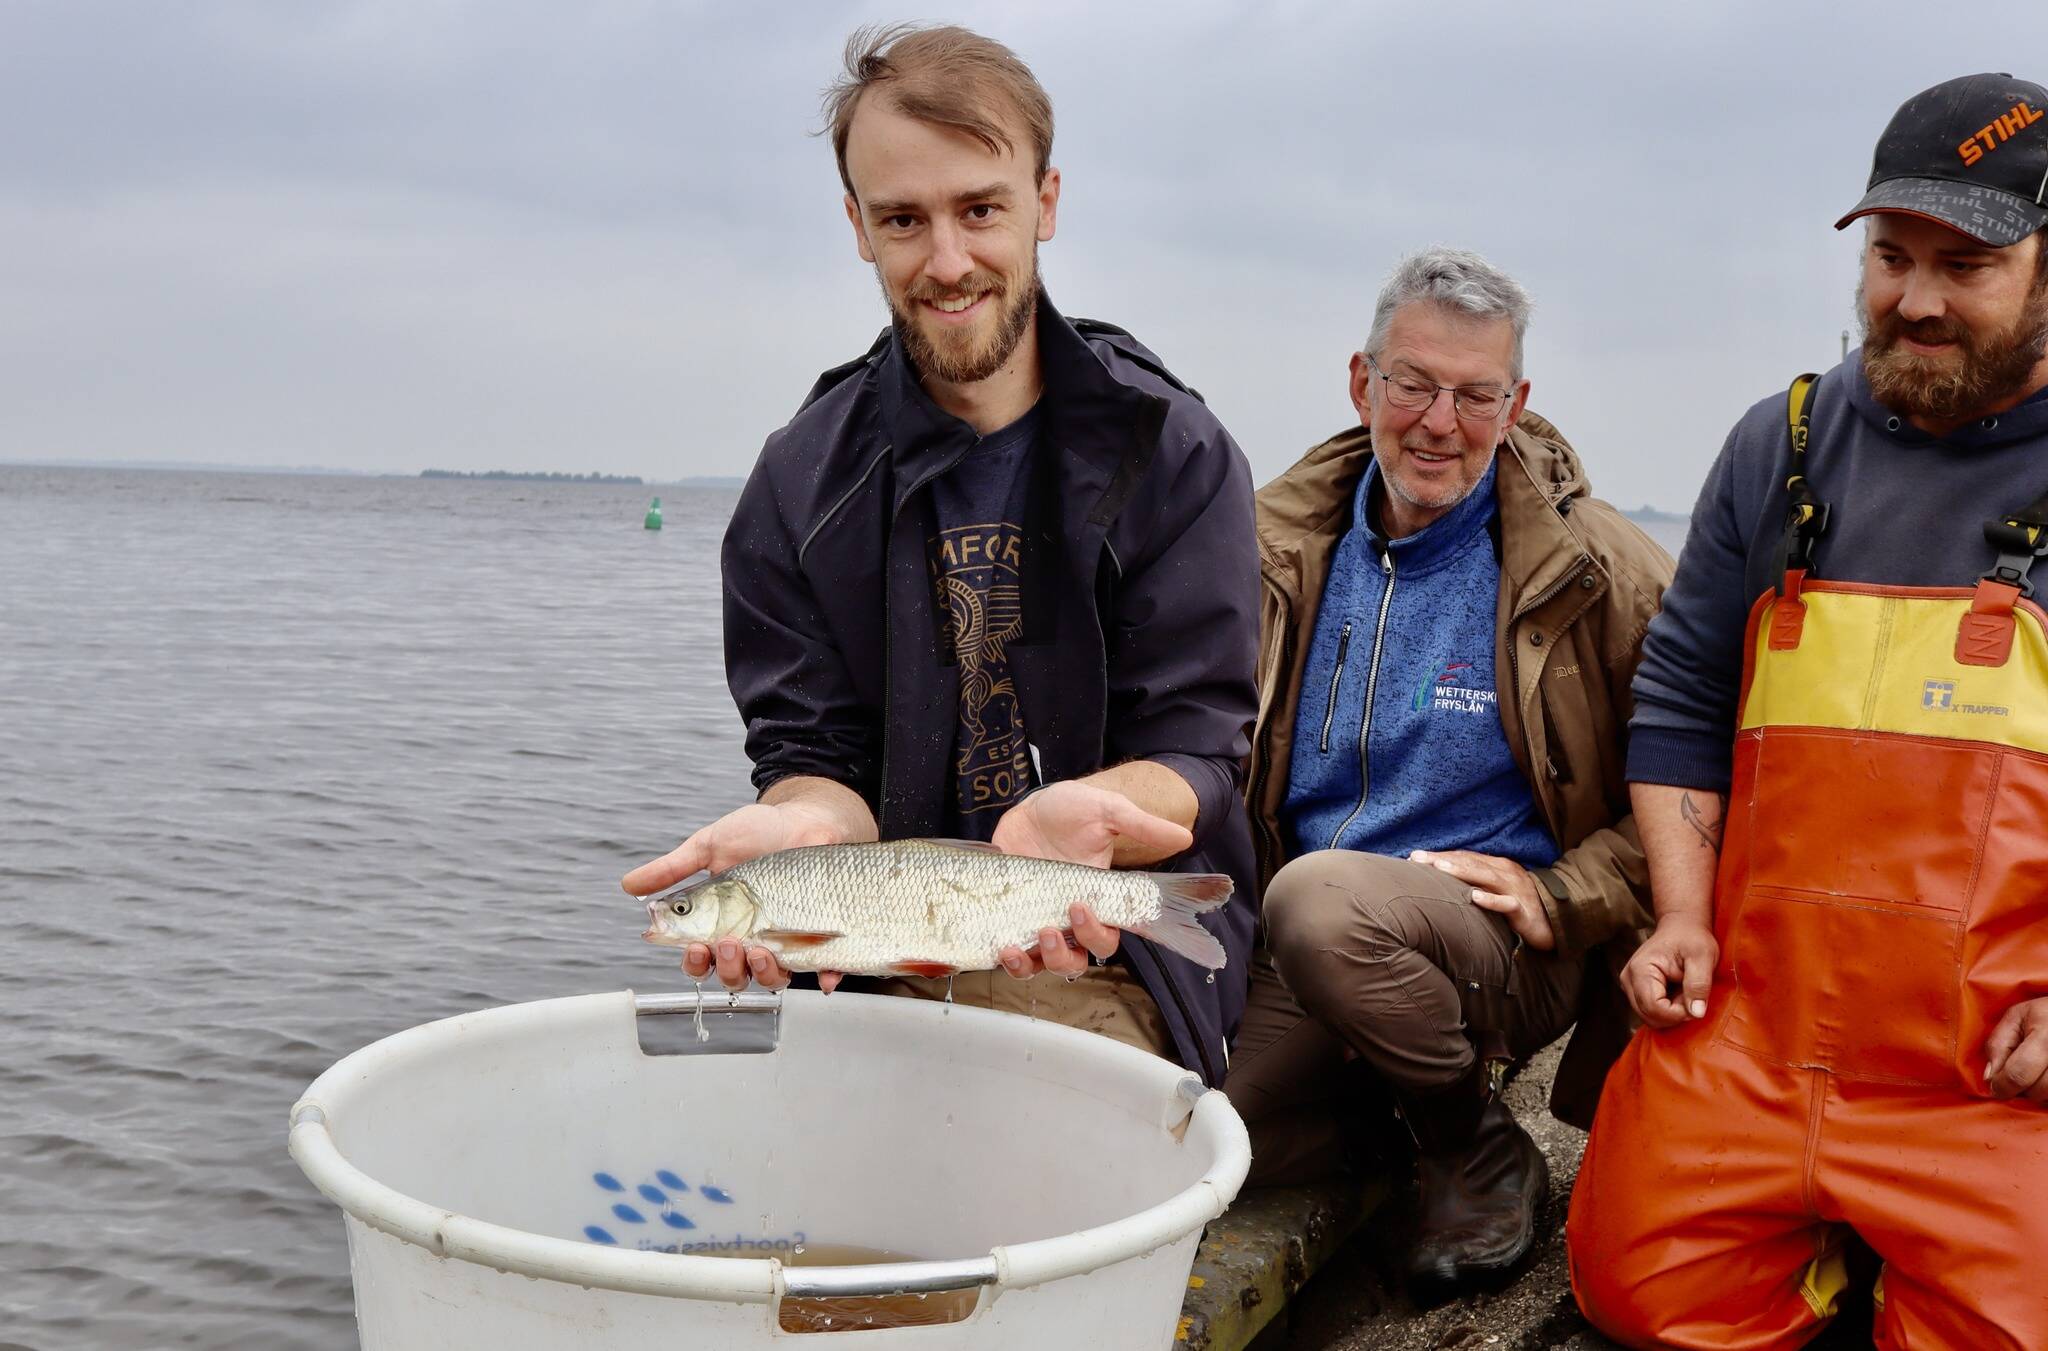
x: 1498, y: 884
x: 2016, y: 1053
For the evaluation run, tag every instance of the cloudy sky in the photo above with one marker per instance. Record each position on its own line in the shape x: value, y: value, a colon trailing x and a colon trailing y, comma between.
x: 528, y: 234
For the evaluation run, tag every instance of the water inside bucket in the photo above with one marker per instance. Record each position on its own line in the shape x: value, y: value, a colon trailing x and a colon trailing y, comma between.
x: 856, y: 1313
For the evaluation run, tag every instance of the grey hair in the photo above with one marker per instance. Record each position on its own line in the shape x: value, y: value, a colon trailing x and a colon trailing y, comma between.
x: 1460, y: 281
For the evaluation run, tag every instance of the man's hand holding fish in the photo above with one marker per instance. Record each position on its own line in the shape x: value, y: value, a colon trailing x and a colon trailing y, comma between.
x: 1078, y: 822
x: 794, y: 812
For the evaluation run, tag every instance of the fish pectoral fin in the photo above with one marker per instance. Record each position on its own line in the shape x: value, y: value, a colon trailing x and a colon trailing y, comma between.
x: 929, y: 970
x: 797, y: 938
x: 980, y: 846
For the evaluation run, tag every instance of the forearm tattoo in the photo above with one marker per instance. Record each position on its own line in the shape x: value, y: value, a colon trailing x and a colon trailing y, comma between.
x: 1706, y: 823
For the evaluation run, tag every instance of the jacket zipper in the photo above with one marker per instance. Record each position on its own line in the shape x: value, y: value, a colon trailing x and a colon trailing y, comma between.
x: 1372, y: 680
x: 1560, y: 584
x: 1330, y: 712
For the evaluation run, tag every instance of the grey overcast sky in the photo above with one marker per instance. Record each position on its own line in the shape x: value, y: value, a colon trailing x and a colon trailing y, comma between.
x: 527, y: 234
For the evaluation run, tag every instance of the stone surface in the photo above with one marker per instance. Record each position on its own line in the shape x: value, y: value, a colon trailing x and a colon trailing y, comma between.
x: 1255, y: 1258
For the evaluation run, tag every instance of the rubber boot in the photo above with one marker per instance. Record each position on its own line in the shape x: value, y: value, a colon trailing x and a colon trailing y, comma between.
x: 1482, y: 1180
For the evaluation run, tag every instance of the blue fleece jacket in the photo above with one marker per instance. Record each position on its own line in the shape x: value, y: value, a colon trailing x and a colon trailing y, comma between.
x: 1400, y: 672
x: 1906, y: 509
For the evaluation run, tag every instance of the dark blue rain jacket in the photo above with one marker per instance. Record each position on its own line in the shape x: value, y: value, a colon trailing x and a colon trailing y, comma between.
x: 1140, y: 608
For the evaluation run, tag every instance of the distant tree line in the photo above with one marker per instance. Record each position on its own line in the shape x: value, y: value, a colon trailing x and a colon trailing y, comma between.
x: 520, y: 477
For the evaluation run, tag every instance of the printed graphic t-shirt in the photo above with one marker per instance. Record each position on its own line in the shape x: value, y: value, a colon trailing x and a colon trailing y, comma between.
x: 977, y: 561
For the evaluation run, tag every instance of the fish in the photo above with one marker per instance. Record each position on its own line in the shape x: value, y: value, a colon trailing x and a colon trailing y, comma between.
x: 926, y: 907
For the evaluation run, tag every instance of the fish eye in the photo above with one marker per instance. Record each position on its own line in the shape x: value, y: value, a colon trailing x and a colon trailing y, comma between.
x: 681, y: 907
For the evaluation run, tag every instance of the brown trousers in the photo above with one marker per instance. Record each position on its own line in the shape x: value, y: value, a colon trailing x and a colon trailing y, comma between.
x: 1387, y: 962
x: 1107, y: 1000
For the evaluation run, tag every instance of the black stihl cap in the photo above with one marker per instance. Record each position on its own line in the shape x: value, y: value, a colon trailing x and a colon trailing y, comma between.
x: 1971, y: 154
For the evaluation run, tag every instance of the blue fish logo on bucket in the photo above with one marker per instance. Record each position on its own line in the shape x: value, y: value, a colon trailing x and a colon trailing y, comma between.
x: 640, y: 1213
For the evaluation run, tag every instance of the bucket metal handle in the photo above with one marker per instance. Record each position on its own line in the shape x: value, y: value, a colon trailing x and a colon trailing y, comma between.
x: 887, y: 1278
x: 732, y: 1022
x: 689, y: 1001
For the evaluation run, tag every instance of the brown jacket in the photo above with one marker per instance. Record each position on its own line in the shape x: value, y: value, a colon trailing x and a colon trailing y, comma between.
x: 1579, y: 583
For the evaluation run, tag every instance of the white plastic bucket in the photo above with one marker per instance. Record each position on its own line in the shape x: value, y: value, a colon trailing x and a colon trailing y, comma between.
x: 540, y: 1176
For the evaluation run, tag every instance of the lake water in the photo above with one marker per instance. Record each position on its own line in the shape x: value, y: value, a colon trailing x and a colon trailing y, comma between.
x: 287, y: 764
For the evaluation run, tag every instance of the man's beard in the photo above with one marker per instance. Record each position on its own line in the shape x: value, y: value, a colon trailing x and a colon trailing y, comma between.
x: 960, y: 364
x: 1452, y: 493
x: 1981, y: 371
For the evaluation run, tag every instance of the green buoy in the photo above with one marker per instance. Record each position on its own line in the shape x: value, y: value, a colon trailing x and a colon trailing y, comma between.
x: 653, y: 521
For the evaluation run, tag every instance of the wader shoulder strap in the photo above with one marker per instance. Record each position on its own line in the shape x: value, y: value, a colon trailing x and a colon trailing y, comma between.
x: 1807, y: 518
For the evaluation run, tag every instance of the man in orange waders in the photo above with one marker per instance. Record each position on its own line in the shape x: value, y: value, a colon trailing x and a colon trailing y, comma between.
x: 1847, y: 989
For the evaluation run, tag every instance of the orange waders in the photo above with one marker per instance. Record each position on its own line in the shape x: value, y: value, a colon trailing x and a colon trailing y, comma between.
x: 1882, y: 901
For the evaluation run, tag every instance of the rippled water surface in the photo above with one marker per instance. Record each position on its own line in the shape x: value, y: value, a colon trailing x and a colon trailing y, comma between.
x: 289, y: 763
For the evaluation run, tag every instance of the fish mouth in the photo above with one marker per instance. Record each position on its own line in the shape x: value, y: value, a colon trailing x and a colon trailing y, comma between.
x: 654, y: 933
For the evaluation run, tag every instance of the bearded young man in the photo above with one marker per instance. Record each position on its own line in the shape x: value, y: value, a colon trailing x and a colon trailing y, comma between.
x: 997, y: 579
x: 1839, y: 763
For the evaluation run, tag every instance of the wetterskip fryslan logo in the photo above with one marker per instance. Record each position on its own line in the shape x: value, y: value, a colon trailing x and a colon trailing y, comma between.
x: 1445, y: 692
x: 641, y: 1212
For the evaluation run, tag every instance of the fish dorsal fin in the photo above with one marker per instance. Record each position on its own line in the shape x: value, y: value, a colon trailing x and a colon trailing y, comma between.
x: 980, y: 846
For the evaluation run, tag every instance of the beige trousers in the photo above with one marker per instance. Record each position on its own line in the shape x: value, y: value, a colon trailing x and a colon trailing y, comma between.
x: 1106, y: 1000
x: 1385, y: 962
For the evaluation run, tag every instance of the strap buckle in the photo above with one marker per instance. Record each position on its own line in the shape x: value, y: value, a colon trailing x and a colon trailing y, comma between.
x: 1805, y: 523
x: 2018, y: 545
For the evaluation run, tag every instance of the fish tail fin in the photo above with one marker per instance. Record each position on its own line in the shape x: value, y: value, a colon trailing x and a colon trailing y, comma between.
x: 1182, y: 896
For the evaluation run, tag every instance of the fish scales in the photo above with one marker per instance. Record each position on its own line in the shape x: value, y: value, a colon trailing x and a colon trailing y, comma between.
x: 876, y: 908
x: 953, y: 907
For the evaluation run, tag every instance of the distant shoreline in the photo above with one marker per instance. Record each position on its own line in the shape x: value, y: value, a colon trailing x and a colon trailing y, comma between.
x: 326, y: 471
x: 532, y: 476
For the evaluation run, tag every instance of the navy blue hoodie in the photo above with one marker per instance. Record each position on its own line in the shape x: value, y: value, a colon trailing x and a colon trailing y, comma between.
x: 1906, y: 509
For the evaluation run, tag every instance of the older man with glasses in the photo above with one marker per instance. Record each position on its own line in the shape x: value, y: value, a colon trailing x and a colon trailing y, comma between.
x: 1450, y: 624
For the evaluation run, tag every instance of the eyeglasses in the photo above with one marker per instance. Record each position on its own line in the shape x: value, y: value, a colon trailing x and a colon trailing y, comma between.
x: 1476, y: 403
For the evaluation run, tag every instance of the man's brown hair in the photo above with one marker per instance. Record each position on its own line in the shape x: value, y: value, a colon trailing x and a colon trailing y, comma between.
x: 946, y: 76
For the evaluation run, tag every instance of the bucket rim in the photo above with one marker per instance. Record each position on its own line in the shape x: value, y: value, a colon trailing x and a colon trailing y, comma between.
x: 1209, y: 1119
